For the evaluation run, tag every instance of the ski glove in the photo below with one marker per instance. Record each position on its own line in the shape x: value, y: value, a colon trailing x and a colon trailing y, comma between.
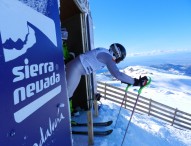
x: 142, y: 81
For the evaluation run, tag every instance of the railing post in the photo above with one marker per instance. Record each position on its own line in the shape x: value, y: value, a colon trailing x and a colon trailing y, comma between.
x: 125, y: 101
x: 174, y: 116
x: 125, y: 104
x: 150, y: 106
x: 105, y: 90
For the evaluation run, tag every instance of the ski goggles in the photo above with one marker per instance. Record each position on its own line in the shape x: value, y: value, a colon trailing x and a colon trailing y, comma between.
x: 116, y: 52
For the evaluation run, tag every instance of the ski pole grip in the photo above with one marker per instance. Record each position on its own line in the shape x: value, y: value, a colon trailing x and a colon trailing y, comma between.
x: 149, y: 81
x: 128, y: 85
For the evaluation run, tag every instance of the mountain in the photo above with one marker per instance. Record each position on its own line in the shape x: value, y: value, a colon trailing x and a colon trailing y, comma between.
x: 170, y: 87
x: 175, y: 69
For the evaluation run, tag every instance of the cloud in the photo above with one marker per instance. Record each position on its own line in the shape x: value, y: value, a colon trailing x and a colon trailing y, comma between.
x: 156, y: 52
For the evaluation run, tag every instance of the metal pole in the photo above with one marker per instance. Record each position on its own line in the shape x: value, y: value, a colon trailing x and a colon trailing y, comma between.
x: 139, y: 92
x: 125, y: 95
x: 130, y: 119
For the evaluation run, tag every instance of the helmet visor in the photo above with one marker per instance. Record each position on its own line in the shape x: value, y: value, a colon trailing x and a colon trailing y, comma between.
x: 116, y: 51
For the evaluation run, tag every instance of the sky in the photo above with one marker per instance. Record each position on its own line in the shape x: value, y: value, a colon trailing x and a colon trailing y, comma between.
x: 142, y: 25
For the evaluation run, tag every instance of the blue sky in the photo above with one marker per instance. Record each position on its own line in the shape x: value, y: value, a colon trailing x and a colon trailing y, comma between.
x: 142, y: 25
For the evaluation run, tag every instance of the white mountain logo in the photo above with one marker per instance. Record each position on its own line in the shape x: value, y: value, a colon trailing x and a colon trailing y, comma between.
x: 17, y: 36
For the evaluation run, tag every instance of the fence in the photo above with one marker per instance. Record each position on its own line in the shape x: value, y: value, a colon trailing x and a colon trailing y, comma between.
x: 175, y: 117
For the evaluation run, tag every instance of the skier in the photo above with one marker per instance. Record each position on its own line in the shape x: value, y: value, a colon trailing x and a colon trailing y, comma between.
x: 96, y: 59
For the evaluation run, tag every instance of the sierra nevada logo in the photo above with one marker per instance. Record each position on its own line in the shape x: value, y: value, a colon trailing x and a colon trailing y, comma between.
x: 17, y: 37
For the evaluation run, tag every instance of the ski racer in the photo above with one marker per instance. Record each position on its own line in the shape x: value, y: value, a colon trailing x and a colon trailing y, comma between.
x: 96, y: 59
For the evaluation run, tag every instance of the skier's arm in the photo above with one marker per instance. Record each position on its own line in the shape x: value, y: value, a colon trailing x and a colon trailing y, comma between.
x: 113, y: 69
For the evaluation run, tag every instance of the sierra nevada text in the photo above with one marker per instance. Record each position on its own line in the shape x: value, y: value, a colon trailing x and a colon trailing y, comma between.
x: 28, y: 71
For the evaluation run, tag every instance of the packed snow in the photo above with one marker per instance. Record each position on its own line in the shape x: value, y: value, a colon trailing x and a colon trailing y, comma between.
x: 143, y: 130
x: 170, y: 86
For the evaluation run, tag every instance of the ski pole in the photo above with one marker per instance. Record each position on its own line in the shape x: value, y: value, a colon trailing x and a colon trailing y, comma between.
x: 128, y: 85
x: 139, y: 92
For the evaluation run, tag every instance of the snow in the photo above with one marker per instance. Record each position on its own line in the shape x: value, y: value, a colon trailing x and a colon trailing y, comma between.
x: 167, y: 88
x: 143, y: 130
x: 170, y: 86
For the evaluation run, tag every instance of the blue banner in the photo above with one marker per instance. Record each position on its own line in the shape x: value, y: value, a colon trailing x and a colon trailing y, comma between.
x: 33, y: 100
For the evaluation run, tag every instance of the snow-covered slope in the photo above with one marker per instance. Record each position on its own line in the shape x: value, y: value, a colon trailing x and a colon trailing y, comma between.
x: 170, y: 87
x: 143, y: 130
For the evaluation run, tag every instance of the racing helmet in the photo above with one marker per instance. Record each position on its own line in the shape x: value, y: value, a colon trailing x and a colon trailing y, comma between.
x: 117, y: 51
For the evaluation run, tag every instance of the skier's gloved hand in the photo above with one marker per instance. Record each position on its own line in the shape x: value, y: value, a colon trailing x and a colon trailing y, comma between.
x: 142, y: 81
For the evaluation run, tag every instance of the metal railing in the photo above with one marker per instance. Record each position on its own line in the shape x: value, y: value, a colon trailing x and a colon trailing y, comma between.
x: 175, y: 117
